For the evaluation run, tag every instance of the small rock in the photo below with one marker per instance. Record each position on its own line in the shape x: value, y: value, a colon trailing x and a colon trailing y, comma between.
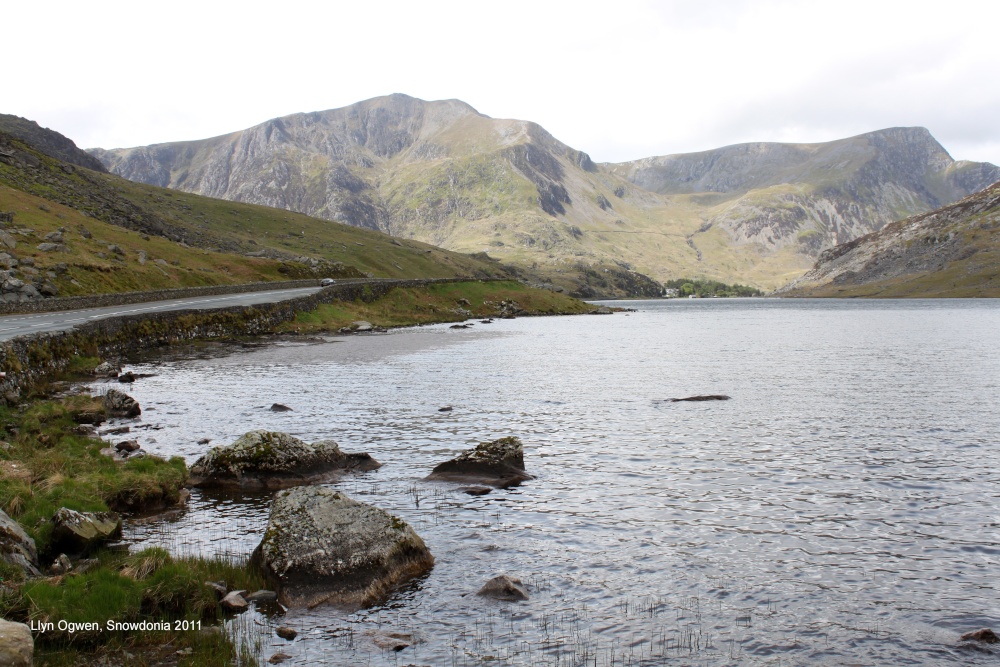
x: 121, y: 430
x: 504, y: 588
x: 219, y: 587
x: 459, y: 326
x: 204, y: 441
x: 286, y: 632
x: 78, y: 532
x: 279, y: 407
x: 985, y: 635
x: 446, y: 408
x: 278, y: 658
x: 261, y: 596
x: 128, y: 446
x: 127, y: 378
x: 107, y: 370
x: 234, y: 601
x: 61, y: 565
x: 120, y: 404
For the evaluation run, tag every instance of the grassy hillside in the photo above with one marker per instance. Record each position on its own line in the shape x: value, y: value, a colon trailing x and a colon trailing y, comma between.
x: 115, y: 235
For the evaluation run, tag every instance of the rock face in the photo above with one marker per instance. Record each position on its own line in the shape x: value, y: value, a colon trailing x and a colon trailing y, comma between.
x: 322, y: 546
x: 119, y: 404
x: 16, y: 547
x: 504, y: 588
x: 80, y: 532
x: 273, y: 460
x: 948, y: 252
x: 499, y: 463
x: 17, y: 647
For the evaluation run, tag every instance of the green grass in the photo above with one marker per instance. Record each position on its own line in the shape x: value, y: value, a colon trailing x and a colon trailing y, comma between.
x: 437, y: 303
x: 48, y: 466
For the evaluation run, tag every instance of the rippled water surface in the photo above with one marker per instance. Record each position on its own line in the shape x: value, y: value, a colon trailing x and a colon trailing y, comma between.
x: 841, y: 509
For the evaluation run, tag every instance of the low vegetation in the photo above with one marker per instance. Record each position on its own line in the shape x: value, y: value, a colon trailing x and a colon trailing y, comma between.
x: 45, y: 464
x: 450, y: 302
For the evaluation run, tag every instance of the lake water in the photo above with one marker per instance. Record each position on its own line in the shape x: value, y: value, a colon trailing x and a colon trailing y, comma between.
x: 841, y: 509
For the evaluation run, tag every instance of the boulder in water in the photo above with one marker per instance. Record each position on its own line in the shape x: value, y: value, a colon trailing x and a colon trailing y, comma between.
x: 499, y: 463
x: 274, y: 460
x: 322, y: 546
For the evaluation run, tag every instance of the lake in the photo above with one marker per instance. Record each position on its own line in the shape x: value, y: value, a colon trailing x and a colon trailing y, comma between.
x: 842, y: 508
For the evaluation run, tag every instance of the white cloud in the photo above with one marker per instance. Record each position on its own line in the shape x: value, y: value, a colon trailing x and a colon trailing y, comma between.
x: 620, y: 80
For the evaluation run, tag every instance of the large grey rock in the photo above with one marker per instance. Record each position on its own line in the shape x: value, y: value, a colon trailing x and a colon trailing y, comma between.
x: 17, y: 647
x: 274, y: 460
x: 16, y: 547
x: 106, y: 369
x: 80, y: 532
x: 119, y: 404
x: 499, y: 463
x: 322, y: 546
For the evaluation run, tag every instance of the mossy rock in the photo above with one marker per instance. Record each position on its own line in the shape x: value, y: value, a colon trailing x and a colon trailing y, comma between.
x: 275, y: 460
x: 321, y: 546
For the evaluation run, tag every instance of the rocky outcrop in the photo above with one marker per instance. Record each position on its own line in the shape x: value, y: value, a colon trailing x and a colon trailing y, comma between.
x: 499, y: 463
x: 81, y: 532
x: 321, y: 546
x: 16, y: 547
x: 17, y: 647
x: 121, y: 405
x: 274, y: 460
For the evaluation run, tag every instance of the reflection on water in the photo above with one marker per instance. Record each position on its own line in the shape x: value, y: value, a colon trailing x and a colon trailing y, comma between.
x: 842, y: 508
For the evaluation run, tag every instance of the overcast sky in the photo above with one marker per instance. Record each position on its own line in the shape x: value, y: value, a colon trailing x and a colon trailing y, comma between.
x: 620, y: 80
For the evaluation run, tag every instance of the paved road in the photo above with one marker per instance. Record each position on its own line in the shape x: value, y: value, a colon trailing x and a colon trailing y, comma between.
x: 12, y: 326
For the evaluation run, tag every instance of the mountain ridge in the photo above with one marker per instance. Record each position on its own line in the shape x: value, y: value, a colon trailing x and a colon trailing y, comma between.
x: 443, y: 173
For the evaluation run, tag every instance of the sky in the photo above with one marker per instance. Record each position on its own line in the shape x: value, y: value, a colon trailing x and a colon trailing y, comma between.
x: 620, y: 80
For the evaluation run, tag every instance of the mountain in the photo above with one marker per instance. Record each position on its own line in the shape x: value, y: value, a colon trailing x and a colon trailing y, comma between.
x: 48, y: 141
x: 953, y: 251
x: 445, y: 174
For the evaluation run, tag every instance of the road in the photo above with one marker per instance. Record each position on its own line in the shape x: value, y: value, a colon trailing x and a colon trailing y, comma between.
x: 12, y: 326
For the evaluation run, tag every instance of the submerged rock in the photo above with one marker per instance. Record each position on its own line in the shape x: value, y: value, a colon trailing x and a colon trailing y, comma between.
x: 274, y: 460
x: 16, y: 547
x: 119, y: 404
x: 17, y: 647
x: 985, y: 635
x: 280, y: 407
x: 80, y: 532
x: 499, y: 463
x: 286, y: 632
x: 504, y: 588
x: 706, y: 397
x: 322, y: 546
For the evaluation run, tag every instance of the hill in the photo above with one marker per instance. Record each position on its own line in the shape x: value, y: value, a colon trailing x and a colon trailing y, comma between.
x: 70, y: 231
x: 953, y: 251
x: 443, y: 173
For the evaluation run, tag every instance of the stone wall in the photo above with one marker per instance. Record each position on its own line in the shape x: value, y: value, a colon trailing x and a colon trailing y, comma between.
x: 26, y: 360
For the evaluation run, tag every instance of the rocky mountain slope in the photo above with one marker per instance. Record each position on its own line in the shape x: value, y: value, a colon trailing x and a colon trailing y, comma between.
x: 953, y: 251
x: 48, y: 141
x: 442, y: 173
